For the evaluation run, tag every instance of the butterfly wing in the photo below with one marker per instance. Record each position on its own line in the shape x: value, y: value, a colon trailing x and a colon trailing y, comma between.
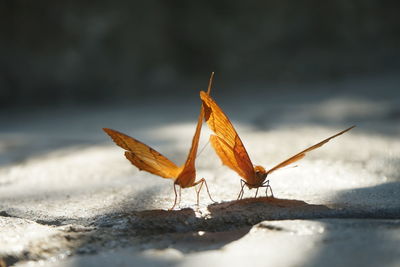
x: 303, y: 153
x: 228, y: 145
x: 143, y: 156
x: 226, y: 154
x: 187, y: 176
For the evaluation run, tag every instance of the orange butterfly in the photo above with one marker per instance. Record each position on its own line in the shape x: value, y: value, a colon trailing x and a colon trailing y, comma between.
x: 230, y: 149
x: 148, y: 159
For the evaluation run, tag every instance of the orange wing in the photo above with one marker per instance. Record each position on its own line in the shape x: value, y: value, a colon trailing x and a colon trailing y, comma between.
x: 227, y: 143
x: 226, y: 154
x: 188, y: 174
x: 302, y: 154
x: 143, y: 156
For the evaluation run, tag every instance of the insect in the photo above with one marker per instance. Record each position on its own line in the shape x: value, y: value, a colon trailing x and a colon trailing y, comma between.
x: 147, y: 159
x: 230, y: 149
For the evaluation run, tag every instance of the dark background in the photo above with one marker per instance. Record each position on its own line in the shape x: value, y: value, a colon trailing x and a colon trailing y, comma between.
x: 70, y: 52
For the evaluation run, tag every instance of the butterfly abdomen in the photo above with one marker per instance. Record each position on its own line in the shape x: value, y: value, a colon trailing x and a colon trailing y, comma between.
x: 186, y: 178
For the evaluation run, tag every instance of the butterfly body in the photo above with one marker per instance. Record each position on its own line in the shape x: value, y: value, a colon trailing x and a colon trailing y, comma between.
x: 259, y: 177
x: 186, y: 178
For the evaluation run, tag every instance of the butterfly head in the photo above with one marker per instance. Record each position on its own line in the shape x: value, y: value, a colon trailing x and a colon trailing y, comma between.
x: 261, y: 173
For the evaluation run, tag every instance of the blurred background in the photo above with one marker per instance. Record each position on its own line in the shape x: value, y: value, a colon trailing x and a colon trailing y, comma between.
x: 79, y: 52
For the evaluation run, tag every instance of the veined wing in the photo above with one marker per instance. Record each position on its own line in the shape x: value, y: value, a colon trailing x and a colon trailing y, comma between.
x: 188, y: 174
x: 226, y: 154
x: 189, y: 169
x: 303, y: 153
x: 235, y: 154
x: 143, y: 156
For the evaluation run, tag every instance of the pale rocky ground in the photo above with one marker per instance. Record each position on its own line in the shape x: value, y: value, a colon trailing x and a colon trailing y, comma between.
x: 68, y: 197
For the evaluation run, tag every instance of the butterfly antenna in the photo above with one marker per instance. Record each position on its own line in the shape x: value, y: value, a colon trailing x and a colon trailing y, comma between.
x: 201, y: 150
x: 210, y: 83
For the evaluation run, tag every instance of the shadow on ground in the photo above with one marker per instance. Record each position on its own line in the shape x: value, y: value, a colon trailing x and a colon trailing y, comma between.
x: 189, y: 230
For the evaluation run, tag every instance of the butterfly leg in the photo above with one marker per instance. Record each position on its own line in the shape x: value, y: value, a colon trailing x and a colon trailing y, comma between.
x: 241, y: 189
x: 180, y: 196
x: 201, y: 182
x: 256, y: 192
x: 208, y: 191
x: 266, y: 185
x: 241, y: 192
x: 244, y: 183
x: 270, y: 189
x: 176, y: 197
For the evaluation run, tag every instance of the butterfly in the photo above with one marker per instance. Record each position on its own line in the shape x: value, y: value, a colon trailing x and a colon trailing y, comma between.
x: 230, y: 149
x: 147, y: 159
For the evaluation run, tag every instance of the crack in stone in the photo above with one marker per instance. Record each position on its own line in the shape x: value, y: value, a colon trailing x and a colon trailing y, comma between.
x: 8, y: 260
x: 4, y: 213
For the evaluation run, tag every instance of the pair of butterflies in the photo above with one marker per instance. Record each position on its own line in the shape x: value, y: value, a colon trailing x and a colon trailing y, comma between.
x: 226, y: 143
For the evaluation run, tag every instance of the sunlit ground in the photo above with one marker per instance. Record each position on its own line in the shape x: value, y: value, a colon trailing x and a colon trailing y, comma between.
x: 58, y: 164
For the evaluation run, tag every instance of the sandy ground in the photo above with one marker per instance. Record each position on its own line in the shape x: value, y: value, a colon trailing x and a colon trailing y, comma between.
x: 68, y: 197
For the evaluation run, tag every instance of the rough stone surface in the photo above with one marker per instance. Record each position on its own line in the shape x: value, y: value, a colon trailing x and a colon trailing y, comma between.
x: 68, y: 197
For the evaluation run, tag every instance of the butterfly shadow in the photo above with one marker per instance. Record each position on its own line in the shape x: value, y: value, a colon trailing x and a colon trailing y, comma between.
x: 186, y: 230
x: 250, y: 211
x: 192, y: 230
